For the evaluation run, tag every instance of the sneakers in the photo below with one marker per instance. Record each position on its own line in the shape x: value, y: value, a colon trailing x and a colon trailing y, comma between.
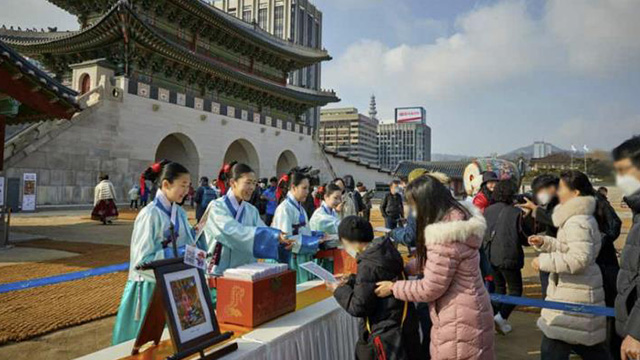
x: 502, y: 326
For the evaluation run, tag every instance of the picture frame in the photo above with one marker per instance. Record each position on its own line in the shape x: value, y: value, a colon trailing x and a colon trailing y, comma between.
x: 190, y: 312
x: 181, y: 300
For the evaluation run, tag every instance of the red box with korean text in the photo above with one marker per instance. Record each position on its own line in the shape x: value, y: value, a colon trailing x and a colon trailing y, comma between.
x: 251, y: 303
x: 343, y: 263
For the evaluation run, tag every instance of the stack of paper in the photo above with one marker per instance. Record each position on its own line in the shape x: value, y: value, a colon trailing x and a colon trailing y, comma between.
x: 255, y: 271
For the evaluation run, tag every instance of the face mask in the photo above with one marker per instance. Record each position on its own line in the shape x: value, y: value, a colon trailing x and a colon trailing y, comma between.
x: 544, y: 198
x: 628, y: 184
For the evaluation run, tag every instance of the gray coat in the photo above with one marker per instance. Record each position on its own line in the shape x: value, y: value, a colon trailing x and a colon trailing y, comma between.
x: 627, y: 304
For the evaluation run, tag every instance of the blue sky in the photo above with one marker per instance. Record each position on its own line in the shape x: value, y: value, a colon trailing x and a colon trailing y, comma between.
x: 493, y: 75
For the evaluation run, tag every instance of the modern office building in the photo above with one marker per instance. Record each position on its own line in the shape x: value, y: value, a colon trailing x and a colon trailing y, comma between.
x: 348, y: 132
x: 403, y: 142
x: 298, y: 22
x: 541, y: 149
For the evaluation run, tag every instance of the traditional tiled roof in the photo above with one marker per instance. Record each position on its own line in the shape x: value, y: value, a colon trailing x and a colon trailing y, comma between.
x: 557, y: 158
x: 252, y: 31
x: 32, y: 93
x: 209, y: 16
x: 32, y: 34
x: 109, y: 30
x: 453, y: 169
x: 354, y: 160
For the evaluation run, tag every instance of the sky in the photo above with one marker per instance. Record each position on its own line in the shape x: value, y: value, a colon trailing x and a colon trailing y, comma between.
x: 493, y: 75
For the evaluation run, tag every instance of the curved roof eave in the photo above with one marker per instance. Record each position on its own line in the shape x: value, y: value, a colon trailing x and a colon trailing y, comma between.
x: 154, y: 41
x: 249, y: 31
x: 260, y: 36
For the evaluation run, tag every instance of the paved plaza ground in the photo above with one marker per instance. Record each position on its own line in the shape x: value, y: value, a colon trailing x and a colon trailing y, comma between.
x: 68, y: 320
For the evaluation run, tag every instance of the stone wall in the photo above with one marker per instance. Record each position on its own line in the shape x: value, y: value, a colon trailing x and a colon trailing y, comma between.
x: 369, y: 177
x: 120, y: 136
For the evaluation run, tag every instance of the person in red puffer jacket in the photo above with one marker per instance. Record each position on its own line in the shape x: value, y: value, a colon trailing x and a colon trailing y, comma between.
x: 482, y: 200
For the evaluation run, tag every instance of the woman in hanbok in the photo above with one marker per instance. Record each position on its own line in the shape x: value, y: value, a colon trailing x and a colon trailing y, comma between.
x: 154, y: 230
x: 104, y: 201
x: 291, y: 218
x: 326, y: 218
x: 235, y: 233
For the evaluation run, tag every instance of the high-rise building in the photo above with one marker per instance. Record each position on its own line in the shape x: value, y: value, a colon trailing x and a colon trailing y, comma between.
x: 541, y: 149
x: 403, y: 142
x: 297, y: 21
x: 346, y: 131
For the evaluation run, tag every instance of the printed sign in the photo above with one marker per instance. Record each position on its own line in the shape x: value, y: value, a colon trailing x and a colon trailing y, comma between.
x: 29, y: 192
x: 411, y: 115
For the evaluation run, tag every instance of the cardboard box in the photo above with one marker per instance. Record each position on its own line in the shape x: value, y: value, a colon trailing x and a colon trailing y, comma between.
x: 249, y: 304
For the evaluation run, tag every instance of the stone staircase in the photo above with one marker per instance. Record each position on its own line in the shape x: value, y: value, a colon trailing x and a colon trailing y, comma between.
x: 32, y: 137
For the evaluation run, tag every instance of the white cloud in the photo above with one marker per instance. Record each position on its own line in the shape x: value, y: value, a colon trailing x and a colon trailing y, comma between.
x: 600, y: 37
x: 505, y: 72
x: 491, y: 46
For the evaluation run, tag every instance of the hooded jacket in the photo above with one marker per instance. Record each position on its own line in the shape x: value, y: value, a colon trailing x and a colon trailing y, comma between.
x: 459, y: 304
x: 389, y: 334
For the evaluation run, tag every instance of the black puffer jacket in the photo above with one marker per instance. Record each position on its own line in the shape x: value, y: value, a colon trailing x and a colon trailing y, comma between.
x: 392, y: 206
x: 398, y: 340
x: 627, y: 304
x: 609, y: 224
x: 505, y: 236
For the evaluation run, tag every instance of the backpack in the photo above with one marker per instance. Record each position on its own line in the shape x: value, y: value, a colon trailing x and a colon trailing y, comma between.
x: 349, y: 206
x: 490, y: 234
x: 208, y: 195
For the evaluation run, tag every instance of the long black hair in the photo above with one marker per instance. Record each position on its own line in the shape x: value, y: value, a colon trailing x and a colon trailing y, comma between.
x: 504, y: 192
x: 577, y: 180
x: 160, y: 171
x: 330, y: 189
x: 292, y: 178
x: 349, y: 183
x: 433, y: 201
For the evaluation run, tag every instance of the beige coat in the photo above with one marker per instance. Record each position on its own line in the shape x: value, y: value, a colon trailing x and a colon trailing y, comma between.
x: 575, y: 277
x: 104, y: 191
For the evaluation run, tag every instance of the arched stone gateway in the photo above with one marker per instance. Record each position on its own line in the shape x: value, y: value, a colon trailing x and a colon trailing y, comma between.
x: 243, y: 151
x: 286, y: 161
x: 178, y: 147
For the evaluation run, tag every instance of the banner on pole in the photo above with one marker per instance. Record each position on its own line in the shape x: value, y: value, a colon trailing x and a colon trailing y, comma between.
x: 29, y: 192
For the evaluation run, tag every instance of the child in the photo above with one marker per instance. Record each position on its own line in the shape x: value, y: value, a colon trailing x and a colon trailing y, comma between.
x: 152, y: 240
x: 291, y: 219
x: 134, y: 195
x: 449, y: 236
x: 388, y: 327
x: 234, y: 231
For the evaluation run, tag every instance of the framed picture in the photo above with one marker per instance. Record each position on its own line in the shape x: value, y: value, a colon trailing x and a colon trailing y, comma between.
x: 188, y: 307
